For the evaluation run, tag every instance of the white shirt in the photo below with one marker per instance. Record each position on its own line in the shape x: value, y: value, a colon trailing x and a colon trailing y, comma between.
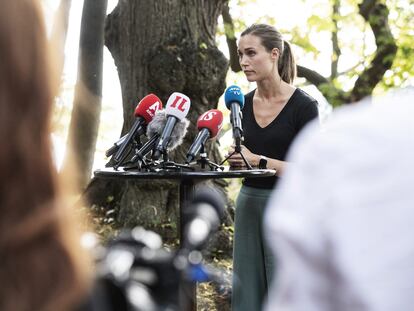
x: 342, y: 220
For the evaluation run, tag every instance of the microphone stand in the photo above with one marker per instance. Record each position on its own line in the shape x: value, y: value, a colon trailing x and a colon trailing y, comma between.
x: 166, y: 164
x: 139, y: 159
x: 237, y: 149
x: 136, y: 145
x: 204, y: 160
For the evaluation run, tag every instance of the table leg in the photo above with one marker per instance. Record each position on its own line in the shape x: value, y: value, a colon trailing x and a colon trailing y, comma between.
x: 188, y: 290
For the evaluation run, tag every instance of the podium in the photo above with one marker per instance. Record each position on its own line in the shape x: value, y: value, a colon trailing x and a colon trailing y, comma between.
x: 187, y: 181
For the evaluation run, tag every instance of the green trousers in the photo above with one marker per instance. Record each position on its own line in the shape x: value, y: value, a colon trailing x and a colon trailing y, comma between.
x: 253, y: 262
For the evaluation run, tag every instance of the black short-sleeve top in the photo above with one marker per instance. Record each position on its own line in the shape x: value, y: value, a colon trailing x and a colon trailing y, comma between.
x: 274, y: 140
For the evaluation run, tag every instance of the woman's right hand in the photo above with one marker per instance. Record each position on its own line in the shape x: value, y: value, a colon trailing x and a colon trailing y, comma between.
x: 236, y: 160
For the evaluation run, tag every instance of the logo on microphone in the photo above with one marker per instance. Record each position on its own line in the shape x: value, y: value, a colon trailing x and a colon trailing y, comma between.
x: 154, y: 108
x: 207, y: 116
x: 235, y: 90
x: 180, y: 105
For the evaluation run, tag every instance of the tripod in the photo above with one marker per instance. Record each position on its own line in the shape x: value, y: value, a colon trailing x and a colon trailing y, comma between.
x: 237, y: 149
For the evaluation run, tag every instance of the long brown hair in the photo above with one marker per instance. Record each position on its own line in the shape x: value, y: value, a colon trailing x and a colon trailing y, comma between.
x: 40, y: 268
x: 272, y: 38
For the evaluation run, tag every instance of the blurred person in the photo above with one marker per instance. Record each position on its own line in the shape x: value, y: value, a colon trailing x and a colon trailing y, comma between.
x: 342, y: 219
x: 42, y: 266
x: 273, y: 115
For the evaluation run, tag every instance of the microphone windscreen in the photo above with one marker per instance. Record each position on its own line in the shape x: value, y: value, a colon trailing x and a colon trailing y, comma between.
x: 178, y: 105
x: 177, y: 135
x: 147, y: 107
x: 157, y: 124
x: 234, y: 94
x: 212, y: 120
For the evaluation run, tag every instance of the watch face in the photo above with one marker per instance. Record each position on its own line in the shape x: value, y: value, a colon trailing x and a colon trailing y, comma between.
x: 262, y: 163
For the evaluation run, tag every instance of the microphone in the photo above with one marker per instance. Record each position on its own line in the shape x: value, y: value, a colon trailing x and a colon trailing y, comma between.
x: 202, y: 217
x: 176, y: 110
x: 155, y: 127
x: 116, y: 145
x: 234, y: 100
x: 209, y: 124
x: 144, y: 112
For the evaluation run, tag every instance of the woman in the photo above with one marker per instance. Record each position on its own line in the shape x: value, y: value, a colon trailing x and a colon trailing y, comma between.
x: 273, y: 115
x: 41, y: 267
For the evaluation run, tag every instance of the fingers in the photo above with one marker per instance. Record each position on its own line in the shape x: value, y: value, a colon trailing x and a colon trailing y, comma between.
x: 238, y: 166
x: 236, y: 161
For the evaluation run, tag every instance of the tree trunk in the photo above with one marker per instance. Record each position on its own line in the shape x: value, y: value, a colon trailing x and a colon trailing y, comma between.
x: 59, y: 32
x: 231, y: 39
x: 83, y: 129
x: 162, y: 47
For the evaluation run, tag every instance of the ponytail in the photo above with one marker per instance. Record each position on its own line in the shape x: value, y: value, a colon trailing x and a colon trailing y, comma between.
x: 287, y: 64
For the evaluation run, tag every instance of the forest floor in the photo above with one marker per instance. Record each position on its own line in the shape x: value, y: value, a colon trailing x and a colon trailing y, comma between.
x: 216, y: 297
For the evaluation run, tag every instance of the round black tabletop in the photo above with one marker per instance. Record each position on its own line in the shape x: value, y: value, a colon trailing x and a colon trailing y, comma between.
x: 182, y: 174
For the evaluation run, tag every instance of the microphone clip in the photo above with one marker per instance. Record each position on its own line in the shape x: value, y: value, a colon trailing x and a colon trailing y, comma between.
x: 204, y: 161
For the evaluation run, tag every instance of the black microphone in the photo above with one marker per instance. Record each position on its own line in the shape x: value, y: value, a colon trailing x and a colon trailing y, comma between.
x: 234, y: 100
x: 144, y: 112
x: 154, y: 129
x: 202, y: 217
x: 120, y: 141
x: 209, y: 124
x: 176, y: 109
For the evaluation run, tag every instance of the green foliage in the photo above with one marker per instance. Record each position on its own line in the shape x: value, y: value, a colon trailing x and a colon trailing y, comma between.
x: 228, y: 31
x: 303, y: 40
x: 401, y: 73
x: 334, y: 95
x: 320, y: 23
x: 203, y: 46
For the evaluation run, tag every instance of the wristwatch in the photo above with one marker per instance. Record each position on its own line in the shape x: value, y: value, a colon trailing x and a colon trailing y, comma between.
x: 262, y: 162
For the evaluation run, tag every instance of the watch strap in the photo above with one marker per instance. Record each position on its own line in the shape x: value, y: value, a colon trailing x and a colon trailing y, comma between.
x: 262, y: 162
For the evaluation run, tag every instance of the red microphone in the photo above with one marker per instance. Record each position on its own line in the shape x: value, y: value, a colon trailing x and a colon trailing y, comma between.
x: 144, y: 112
x: 209, y: 125
x: 147, y: 107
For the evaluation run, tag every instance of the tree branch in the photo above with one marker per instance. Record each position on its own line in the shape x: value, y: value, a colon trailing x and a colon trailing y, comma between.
x: 230, y: 38
x: 336, y: 51
x: 376, y: 14
x: 311, y: 75
x: 334, y: 95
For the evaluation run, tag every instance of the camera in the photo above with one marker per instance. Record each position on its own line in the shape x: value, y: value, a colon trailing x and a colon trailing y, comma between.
x: 134, y: 272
